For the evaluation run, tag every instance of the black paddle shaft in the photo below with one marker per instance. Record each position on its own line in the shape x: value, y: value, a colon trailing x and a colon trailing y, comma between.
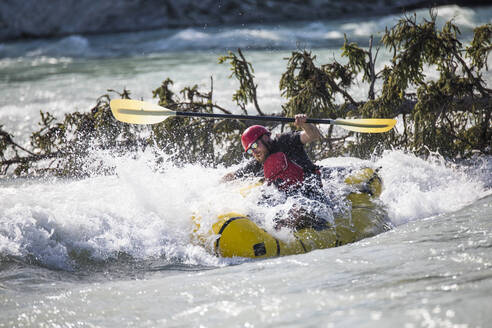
x: 255, y: 118
x: 281, y: 119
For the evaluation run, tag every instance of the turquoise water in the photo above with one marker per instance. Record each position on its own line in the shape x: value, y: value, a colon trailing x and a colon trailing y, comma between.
x: 113, y: 251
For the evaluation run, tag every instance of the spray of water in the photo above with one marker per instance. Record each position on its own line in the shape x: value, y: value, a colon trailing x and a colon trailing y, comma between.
x: 144, y: 211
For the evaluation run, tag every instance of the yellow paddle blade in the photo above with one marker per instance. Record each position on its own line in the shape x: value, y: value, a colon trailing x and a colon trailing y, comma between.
x: 367, y: 125
x: 138, y: 112
x: 244, y: 191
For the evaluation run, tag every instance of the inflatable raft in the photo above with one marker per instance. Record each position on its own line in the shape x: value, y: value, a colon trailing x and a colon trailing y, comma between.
x: 234, y: 234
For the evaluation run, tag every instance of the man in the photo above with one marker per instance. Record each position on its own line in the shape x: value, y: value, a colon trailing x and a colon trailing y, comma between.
x: 283, y: 161
x: 257, y: 141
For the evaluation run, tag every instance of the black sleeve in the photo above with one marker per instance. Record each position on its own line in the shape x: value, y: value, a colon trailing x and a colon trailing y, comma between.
x: 252, y: 169
x: 289, y: 142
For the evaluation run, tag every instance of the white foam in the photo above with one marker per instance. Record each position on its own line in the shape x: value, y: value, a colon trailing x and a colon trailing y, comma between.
x: 145, y: 210
x: 465, y: 17
x: 74, y: 45
x: 415, y: 188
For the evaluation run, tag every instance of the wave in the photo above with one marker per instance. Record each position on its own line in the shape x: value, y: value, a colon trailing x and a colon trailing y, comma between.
x: 142, y: 214
x: 417, y: 188
x: 317, y: 34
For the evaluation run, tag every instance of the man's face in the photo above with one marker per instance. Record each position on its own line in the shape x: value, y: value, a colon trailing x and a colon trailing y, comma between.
x: 261, y: 152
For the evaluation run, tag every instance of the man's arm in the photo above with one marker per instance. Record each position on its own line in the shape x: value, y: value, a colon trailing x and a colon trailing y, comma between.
x: 310, y: 132
x: 252, y: 168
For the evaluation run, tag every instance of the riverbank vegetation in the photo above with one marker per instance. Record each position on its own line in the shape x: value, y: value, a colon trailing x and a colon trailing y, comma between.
x: 450, y: 114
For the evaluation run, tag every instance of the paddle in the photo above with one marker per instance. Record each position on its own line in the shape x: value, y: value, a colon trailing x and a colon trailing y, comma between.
x: 139, y: 112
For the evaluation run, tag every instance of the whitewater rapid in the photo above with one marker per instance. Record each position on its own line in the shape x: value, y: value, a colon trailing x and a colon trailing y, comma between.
x: 144, y: 211
x: 116, y: 250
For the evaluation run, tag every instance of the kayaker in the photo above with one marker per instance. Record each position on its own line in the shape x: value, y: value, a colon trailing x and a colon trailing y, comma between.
x: 283, y: 161
x: 257, y: 141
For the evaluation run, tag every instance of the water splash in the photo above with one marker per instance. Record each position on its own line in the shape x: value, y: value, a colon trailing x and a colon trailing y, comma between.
x: 144, y: 211
x: 416, y: 188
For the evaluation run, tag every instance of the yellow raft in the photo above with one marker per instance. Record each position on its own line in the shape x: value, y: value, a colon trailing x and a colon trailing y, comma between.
x: 237, y: 235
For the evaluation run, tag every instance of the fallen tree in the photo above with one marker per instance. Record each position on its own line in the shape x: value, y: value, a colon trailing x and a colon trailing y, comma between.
x: 450, y: 115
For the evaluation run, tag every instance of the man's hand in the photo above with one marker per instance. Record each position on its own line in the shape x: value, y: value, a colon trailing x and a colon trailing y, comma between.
x: 310, y: 132
x: 300, y: 120
x: 228, y: 177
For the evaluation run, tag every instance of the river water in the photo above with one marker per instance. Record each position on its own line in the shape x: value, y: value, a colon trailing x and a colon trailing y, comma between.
x: 115, y: 251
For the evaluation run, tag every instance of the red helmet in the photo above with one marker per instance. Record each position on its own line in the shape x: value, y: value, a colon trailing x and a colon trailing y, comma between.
x: 252, y: 134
